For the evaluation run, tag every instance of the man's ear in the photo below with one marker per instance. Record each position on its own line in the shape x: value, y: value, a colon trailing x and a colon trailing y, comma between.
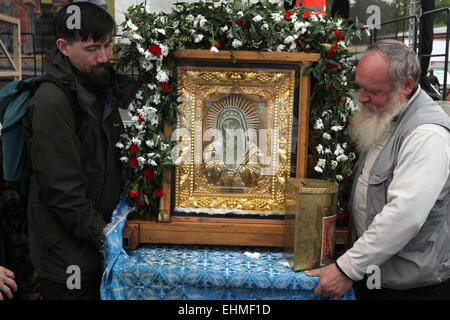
x: 62, y: 46
x: 408, y: 86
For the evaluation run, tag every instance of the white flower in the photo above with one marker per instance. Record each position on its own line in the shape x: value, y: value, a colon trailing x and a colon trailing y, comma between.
x: 319, y: 124
x: 198, y: 38
x: 298, y: 25
x: 130, y: 25
x: 319, y: 149
x: 342, y: 157
x: 327, y: 151
x: 336, y: 128
x: 224, y: 29
x: 214, y: 50
x: 162, y: 75
x: 136, y: 37
x: 162, y: 31
x: 150, y: 143
x: 164, y: 50
x: 351, y: 156
x: 202, y: 22
x: 147, y: 65
x: 240, y: 14
x: 289, y: 39
x: 265, y: 26
x: 190, y: 18
x: 334, y: 164
x: 280, y: 47
x: 124, y: 159
x: 136, y: 141
x: 164, y: 146
x: 141, y: 161
x: 119, y: 145
x: 236, y: 43
x: 326, y: 136
x: 318, y: 169
x: 339, y: 177
x: 321, y: 163
x: 257, y: 18
x: 276, y: 17
x: 338, y: 150
x: 152, y: 162
x: 156, y: 98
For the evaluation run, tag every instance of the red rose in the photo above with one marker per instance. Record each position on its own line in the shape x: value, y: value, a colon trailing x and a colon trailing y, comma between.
x: 133, y: 148
x: 165, y: 86
x: 155, y: 49
x: 331, y: 87
x: 332, y: 50
x: 338, y: 34
x: 133, y: 194
x: 349, y: 122
x: 331, y: 66
x: 238, y: 21
x: 139, y: 21
x: 287, y: 15
x: 132, y: 162
x: 149, y: 175
x: 217, y: 45
x: 158, y: 192
x: 140, y: 118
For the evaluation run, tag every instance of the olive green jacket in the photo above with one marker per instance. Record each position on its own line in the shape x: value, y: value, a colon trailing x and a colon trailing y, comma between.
x: 77, y: 179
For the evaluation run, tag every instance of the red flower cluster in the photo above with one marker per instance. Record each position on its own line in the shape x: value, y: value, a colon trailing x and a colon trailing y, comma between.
x: 331, y: 66
x: 158, y: 192
x: 133, y: 148
x: 338, y: 35
x: 217, y: 45
x: 287, y: 15
x: 332, y: 50
x: 165, y: 86
x: 149, y: 175
x: 155, y: 49
x: 132, y: 162
x: 134, y: 195
x: 238, y: 21
x: 349, y: 122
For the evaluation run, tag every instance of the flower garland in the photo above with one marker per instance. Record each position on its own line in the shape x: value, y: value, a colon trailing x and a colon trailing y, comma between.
x: 230, y: 25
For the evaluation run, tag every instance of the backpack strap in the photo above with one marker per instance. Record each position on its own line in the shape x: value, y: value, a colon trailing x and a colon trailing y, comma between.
x: 70, y: 94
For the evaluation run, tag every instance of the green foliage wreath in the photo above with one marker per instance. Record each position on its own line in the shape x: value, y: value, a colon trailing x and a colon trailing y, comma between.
x: 151, y: 38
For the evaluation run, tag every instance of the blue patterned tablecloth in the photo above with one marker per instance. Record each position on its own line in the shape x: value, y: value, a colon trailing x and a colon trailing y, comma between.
x: 198, y: 272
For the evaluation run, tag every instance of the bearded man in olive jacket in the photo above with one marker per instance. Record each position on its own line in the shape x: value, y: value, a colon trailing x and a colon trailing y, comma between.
x: 76, y: 178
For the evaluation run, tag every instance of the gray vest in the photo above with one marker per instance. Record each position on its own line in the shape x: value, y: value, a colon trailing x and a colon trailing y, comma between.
x: 425, y: 260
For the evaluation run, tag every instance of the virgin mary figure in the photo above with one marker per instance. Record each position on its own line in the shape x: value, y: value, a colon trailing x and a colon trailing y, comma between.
x: 231, y: 159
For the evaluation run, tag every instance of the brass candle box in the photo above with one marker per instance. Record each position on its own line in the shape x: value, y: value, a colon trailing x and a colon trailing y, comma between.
x: 310, y: 222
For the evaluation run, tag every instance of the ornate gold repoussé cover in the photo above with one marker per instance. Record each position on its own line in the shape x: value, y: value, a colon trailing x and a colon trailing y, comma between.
x: 234, y: 131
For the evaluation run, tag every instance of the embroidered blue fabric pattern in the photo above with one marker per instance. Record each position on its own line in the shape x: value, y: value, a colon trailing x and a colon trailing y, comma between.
x: 181, y: 272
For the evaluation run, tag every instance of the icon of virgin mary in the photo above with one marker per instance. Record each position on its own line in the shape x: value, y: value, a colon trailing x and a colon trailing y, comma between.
x: 231, y: 159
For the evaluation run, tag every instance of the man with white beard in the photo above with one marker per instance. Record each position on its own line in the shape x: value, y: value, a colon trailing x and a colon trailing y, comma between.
x: 400, y: 199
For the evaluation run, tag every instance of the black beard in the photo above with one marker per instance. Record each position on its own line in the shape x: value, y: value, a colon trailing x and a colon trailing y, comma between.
x: 100, y: 79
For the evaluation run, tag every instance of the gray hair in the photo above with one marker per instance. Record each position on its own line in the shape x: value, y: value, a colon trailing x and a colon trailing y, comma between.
x: 403, y: 62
